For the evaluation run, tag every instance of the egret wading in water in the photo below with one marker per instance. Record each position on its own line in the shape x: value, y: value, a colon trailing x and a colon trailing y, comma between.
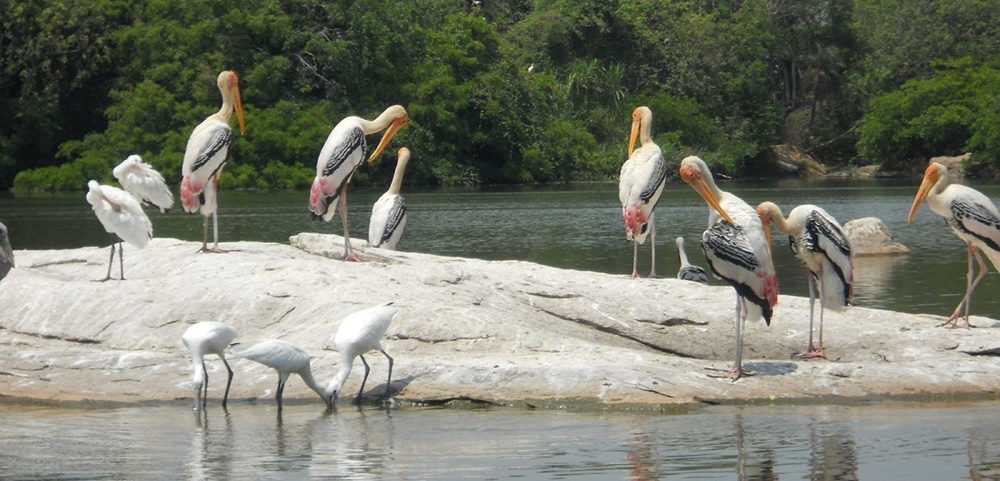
x: 640, y: 183
x: 972, y: 217
x: 6, y: 253
x: 344, y: 151
x: 204, y: 338
x: 287, y: 359
x: 358, y: 334
x: 389, y: 212
x: 206, y: 153
x: 687, y: 271
x: 820, y: 242
x: 144, y: 182
x: 122, y: 217
x: 737, y: 251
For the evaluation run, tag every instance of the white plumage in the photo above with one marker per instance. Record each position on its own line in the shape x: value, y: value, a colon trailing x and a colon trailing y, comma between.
x: 6, y: 253
x: 640, y: 183
x: 820, y: 242
x: 388, y: 219
x: 145, y: 183
x: 287, y: 359
x: 342, y: 154
x: 972, y: 217
x: 201, y: 339
x: 358, y: 334
x: 206, y: 153
x: 737, y: 251
x: 121, y: 215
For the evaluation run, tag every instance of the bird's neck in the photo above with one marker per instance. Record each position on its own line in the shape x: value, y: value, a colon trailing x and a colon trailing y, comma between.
x: 397, y: 176
x: 780, y: 223
x: 306, y: 375
x: 379, y: 124
x: 227, y: 107
x: 345, y: 370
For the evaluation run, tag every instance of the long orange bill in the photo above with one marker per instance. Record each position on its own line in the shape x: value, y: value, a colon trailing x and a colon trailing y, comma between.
x: 388, y: 135
x: 632, y: 136
x: 925, y: 188
x: 701, y: 187
x: 239, y: 106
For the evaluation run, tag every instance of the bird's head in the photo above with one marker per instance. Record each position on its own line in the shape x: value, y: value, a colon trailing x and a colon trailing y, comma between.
x: 229, y: 85
x: 694, y: 172
x: 935, y: 172
x: 766, y: 211
x: 399, y: 120
x: 641, y: 117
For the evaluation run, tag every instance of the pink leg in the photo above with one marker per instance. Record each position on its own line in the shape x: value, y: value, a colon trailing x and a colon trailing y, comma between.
x: 652, y: 244
x: 635, y: 257
x: 814, y: 290
x: 349, y: 254
x: 963, y: 307
x: 737, y: 371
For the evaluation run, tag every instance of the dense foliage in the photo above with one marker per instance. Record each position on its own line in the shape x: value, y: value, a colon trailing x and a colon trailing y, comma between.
x: 85, y: 83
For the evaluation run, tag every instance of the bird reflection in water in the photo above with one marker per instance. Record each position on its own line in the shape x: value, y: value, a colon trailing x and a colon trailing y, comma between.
x: 832, y: 453
x: 757, y: 466
x: 211, y: 451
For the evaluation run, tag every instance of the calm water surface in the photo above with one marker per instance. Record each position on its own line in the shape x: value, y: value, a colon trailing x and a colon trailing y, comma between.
x: 893, y: 441
x: 570, y: 226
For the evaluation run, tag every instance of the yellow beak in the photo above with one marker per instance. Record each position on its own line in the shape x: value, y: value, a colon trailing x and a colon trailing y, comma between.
x: 388, y: 135
x: 701, y: 187
x: 633, y: 135
x: 930, y: 178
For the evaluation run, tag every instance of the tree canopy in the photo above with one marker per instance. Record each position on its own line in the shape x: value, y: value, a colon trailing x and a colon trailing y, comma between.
x: 85, y: 83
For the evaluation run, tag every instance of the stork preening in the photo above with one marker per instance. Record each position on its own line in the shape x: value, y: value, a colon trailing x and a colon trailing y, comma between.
x: 737, y: 251
x: 820, y: 242
x: 972, y: 217
x: 344, y: 151
x: 122, y: 216
x: 206, y: 152
x: 640, y: 183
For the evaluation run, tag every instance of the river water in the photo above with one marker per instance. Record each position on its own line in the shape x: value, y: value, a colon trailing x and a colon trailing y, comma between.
x: 575, y: 227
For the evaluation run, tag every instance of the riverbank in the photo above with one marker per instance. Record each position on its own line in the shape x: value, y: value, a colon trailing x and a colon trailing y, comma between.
x: 496, y: 331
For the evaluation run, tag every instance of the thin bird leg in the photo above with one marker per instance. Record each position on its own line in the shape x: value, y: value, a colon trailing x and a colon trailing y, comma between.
x: 970, y: 286
x: 357, y: 400
x: 121, y: 259
x: 652, y: 244
x: 225, y: 397
x: 388, y: 381
x: 215, y: 231
x: 349, y: 254
x: 635, y: 257
x: 111, y: 261
x: 204, y: 237
x: 811, y: 351
x: 204, y: 385
x: 280, y: 390
x: 737, y: 370
x: 822, y: 310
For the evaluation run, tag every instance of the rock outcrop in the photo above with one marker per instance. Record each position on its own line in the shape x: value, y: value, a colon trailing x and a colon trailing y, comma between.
x: 870, y: 236
x: 496, y: 331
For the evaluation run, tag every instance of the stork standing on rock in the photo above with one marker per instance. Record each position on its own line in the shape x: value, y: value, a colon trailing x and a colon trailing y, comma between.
x: 389, y: 212
x: 820, y: 242
x: 121, y: 215
x: 737, y: 251
x: 687, y: 271
x: 206, y: 153
x: 344, y: 151
x: 972, y: 217
x: 640, y: 183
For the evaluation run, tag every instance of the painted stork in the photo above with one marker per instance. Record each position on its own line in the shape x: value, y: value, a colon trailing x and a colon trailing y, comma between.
x: 737, y: 251
x: 343, y: 153
x: 389, y: 212
x: 972, y: 217
x: 820, y: 242
x: 640, y: 183
x: 122, y: 217
x: 6, y: 253
x: 206, y: 153
x: 687, y: 271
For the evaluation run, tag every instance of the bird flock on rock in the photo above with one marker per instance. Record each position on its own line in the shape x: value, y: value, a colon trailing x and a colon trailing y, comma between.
x: 736, y: 243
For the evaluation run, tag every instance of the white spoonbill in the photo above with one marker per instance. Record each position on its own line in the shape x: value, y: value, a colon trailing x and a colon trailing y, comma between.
x: 389, y: 212
x: 640, y: 183
x: 201, y: 339
x: 206, y: 152
x: 122, y: 217
x: 287, y: 359
x: 972, y: 217
x: 6, y: 253
x: 359, y: 333
x: 144, y: 182
x: 737, y: 251
x: 819, y: 241
x: 687, y: 271
x: 343, y: 153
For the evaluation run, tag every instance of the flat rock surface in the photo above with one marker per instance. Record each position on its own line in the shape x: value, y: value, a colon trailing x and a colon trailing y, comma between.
x: 496, y: 331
